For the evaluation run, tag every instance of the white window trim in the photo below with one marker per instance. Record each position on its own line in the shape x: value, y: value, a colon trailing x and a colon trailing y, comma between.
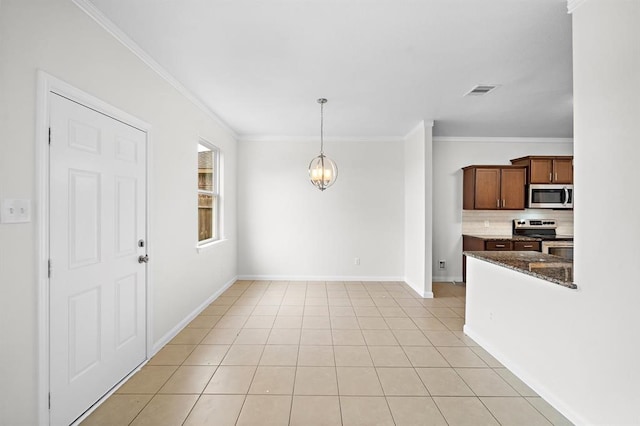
x: 210, y: 244
x: 219, y: 204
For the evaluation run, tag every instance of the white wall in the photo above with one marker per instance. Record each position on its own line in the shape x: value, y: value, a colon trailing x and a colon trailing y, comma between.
x: 288, y: 229
x: 607, y: 127
x: 59, y: 38
x: 580, y: 348
x: 450, y: 155
x: 418, y: 172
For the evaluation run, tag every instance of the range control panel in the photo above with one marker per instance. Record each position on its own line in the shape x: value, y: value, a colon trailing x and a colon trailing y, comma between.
x: 535, y: 223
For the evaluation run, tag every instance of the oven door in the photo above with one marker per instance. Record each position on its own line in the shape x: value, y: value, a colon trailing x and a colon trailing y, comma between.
x: 551, y: 196
x: 562, y: 249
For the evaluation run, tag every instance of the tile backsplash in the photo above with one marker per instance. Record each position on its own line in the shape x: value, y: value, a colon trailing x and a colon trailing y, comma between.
x: 500, y: 221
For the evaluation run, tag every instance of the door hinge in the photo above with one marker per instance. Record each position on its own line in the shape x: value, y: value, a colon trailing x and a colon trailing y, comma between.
x: 49, y: 135
x: 49, y: 268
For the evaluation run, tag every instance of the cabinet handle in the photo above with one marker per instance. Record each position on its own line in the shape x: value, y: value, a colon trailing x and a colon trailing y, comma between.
x: 556, y: 175
x: 550, y: 177
x: 528, y: 246
x: 498, y: 203
x: 504, y: 203
x: 500, y: 245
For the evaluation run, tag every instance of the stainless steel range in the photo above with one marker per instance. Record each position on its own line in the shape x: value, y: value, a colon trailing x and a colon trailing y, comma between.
x: 545, y: 231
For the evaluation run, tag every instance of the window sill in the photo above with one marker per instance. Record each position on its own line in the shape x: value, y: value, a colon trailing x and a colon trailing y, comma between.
x: 207, y: 246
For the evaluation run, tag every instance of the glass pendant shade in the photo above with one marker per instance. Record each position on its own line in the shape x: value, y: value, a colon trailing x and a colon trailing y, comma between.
x: 323, y: 172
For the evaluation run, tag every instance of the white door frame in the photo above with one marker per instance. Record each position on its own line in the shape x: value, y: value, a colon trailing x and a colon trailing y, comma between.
x: 47, y: 84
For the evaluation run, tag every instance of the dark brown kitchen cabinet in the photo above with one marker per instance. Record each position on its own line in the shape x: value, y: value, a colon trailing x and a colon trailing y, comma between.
x: 497, y: 245
x: 526, y: 246
x: 547, y: 169
x: 494, y: 188
x: 473, y: 243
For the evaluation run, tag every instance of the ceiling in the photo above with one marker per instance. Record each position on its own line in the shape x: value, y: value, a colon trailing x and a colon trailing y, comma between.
x: 384, y: 65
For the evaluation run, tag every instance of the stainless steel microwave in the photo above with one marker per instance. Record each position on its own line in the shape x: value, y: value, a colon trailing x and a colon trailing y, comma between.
x: 545, y: 196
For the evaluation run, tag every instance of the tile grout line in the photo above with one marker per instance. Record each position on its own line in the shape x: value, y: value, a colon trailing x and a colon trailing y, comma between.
x: 416, y: 371
x: 295, y: 371
x: 141, y: 410
x: 385, y: 315
x: 214, y: 372
x: 536, y: 408
x: 244, y: 401
x: 335, y: 365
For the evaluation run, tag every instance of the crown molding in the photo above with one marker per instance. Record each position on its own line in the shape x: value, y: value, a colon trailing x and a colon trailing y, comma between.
x: 93, y: 12
x: 572, y: 5
x: 484, y: 139
x: 316, y: 139
x: 422, y: 125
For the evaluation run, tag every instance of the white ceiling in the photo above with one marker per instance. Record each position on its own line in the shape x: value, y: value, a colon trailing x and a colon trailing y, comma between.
x: 384, y: 65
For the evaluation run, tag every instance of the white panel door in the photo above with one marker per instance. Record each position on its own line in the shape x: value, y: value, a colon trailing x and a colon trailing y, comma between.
x: 97, y: 286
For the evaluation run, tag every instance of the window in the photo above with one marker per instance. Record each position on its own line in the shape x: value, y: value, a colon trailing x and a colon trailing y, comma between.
x: 208, y: 193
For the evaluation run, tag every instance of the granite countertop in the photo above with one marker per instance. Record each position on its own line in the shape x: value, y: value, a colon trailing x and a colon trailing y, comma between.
x: 502, y: 237
x: 544, y: 266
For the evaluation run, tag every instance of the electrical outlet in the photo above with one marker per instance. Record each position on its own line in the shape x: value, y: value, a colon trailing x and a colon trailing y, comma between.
x: 443, y: 264
x: 356, y: 261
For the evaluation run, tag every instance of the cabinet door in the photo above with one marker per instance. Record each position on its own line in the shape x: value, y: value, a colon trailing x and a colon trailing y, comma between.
x: 512, y: 189
x: 470, y: 243
x: 563, y: 170
x: 469, y: 189
x: 487, y: 191
x: 541, y: 170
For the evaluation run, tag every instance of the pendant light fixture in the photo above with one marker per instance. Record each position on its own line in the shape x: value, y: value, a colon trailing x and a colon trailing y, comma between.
x: 322, y: 170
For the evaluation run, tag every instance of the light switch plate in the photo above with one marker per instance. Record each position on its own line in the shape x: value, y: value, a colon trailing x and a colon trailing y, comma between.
x: 15, y: 210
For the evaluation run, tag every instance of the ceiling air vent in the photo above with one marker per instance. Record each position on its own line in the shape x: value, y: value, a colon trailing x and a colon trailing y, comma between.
x: 481, y: 89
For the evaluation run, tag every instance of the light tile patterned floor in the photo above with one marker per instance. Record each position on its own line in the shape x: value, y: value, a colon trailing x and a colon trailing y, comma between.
x: 326, y: 353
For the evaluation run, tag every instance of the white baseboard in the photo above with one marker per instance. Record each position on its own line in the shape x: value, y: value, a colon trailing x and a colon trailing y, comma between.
x: 423, y: 294
x: 159, y: 344
x: 446, y: 279
x: 523, y: 375
x: 319, y: 278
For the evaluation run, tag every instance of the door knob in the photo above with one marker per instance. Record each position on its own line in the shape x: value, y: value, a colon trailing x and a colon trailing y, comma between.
x: 143, y: 259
